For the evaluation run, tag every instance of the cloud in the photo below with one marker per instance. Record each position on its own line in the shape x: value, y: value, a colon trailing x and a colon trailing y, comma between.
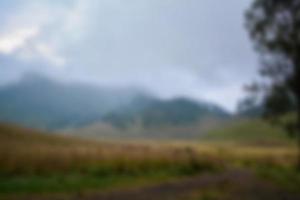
x: 49, y: 54
x: 17, y: 39
x: 193, y: 48
x: 27, y: 34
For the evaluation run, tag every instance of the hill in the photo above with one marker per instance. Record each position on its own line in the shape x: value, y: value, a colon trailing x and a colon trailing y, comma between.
x: 251, y: 131
x: 39, y: 102
x: 137, y: 131
x: 156, y: 113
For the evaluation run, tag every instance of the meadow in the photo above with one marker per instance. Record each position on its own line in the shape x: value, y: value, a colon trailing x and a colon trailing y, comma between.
x: 39, y: 165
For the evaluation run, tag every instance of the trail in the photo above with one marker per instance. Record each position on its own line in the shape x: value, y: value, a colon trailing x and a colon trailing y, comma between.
x: 234, y: 184
x: 238, y: 184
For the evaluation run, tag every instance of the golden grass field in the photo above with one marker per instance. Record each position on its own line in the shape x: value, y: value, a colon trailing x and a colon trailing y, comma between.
x: 40, y: 163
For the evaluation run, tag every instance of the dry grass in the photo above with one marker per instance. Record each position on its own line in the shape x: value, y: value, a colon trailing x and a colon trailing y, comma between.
x: 26, y: 151
x: 29, y: 159
x: 33, y: 153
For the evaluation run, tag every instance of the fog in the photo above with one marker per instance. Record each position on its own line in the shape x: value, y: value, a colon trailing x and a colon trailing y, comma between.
x: 197, y: 49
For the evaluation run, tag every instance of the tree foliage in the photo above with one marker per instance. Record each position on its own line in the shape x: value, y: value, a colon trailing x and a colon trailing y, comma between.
x: 274, y: 26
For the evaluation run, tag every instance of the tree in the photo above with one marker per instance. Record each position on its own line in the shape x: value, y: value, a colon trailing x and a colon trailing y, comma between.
x: 274, y: 26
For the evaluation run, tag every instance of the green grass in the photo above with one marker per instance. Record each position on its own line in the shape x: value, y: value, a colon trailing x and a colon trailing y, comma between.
x: 96, y: 178
x: 251, y: 131
x: 75, y: 182
x: 288, y: 178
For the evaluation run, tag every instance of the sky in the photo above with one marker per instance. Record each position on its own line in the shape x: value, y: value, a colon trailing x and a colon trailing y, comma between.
x: 193, y: 48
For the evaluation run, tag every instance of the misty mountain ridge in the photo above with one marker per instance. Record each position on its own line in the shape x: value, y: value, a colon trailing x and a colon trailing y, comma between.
x: 39, y: 102
x: 156, y: 112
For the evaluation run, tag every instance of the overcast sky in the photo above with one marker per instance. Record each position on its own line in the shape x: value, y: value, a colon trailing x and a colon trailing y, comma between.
x: 194, y: 48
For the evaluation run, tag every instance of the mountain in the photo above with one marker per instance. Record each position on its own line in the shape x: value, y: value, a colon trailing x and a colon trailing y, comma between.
x: 154, y: 112
x: 38, y: 102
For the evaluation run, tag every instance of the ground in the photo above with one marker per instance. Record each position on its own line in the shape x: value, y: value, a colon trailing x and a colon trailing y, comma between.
x: 229, y: 185
x: 41, y: 166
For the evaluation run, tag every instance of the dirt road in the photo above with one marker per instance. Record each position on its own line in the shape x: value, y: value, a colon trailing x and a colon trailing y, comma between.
x: 232, y: 185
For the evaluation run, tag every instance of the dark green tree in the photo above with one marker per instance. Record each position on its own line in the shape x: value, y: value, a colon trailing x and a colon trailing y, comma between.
x: 274, y: 26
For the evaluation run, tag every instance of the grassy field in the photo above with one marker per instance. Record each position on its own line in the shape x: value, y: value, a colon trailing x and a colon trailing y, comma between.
x: 250, y: 130
x: 32, y: 163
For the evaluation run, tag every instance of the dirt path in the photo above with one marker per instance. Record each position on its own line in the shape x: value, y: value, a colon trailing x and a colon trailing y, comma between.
x: 239, y: 185
x: 233, y: 185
